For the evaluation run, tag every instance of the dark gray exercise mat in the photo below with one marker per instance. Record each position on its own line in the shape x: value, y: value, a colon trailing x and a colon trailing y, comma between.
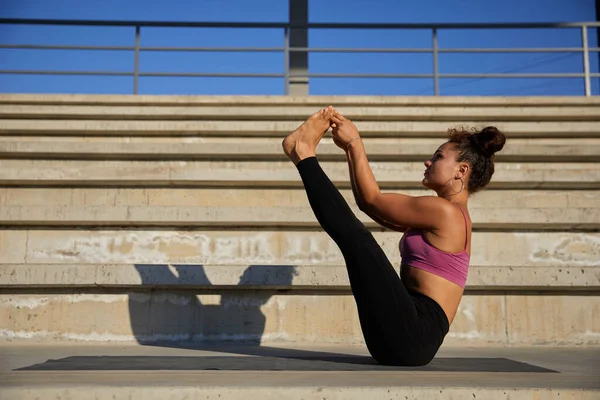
x: 253, y: 363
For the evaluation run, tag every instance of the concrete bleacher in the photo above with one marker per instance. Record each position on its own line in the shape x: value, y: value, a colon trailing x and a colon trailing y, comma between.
x: 146, y: 219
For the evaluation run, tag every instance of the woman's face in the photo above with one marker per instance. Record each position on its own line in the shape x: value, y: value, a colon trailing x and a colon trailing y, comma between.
x: 442, y: 167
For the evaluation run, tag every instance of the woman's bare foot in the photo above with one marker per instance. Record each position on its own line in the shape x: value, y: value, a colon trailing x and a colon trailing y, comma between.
x: 302, y: 143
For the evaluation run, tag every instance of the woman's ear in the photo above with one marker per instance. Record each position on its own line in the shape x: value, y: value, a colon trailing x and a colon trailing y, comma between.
x: 463, y: 169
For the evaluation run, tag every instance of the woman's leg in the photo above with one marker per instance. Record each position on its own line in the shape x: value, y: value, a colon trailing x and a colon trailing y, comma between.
x: 384, y: 305
x: 385, y: 308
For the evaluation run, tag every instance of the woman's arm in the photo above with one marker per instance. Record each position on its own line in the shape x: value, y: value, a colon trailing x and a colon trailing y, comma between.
x: 362, y: 176
x: 360, y: 204
x: 423, y: 212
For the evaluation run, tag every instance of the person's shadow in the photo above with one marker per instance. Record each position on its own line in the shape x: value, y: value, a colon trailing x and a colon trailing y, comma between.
x: 230, y: 319
x: 226, y: 318
x: 161, y: 316
x: 168, y: 312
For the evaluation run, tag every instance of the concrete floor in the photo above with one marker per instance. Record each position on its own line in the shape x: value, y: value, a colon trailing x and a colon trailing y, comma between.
x: 238, y: 371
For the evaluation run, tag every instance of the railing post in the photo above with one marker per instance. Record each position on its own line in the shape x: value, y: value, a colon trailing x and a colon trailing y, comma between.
x: 436, y: 82
x: 286, y: 60
x: 136, y: 62
x: 298, y: 60
x: 586, y: 61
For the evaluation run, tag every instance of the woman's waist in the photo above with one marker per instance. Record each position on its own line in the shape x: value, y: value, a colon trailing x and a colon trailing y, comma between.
x: 446, y: 295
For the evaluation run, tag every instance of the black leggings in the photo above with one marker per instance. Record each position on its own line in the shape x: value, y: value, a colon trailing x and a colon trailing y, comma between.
x: 400, y: 327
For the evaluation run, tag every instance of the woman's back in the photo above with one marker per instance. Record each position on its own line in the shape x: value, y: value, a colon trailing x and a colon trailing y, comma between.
x: 436, y: 263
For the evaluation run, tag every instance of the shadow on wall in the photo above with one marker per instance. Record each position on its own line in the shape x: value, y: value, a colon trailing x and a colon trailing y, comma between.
x: 163, y: 316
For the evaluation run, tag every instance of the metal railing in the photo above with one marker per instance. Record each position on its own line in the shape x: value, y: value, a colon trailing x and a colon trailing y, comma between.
x: 435, y: 50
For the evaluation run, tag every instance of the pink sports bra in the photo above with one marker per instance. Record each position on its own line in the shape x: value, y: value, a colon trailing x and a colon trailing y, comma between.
x: 416, y: 252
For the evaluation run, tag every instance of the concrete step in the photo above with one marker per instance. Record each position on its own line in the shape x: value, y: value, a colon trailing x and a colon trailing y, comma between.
x: 272, y: 216
x: 173, y: 218
x: 312, y: 277
x: 389, y: 175
x: 261, y: 197
x: 281, y: 385
x: 565, y: 129
x: 497, y: 209
x: 569, y: 250
x: 510, y: 318
x: 300, y: 372
x: 358, y: 101
x: 211, y: 148
x: 277, y: 111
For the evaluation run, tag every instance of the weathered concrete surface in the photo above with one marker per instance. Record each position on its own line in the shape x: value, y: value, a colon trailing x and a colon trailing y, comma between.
x: 276, y: 111
x: 274, y: 173
x: 254, y: 197
x: 564, y: 360
x: 526, y: 287
x: 359, y: 101
x: 504, y: 218
x: 577, y: 377
x: 551, y: 319
x: 275, y: 247
x: 190, y: 148
x: 312, y: 277
x: 151, y: 386
x: 280, y: 128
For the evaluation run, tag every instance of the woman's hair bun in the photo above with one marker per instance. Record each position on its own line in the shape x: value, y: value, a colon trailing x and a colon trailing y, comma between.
x: 490, y: 140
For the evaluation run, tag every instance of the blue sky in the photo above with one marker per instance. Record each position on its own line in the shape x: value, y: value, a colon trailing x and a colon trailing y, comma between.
x: 332, y: 11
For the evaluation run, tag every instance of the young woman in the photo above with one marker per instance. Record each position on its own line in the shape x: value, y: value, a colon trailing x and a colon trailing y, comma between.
x: 404, y: 319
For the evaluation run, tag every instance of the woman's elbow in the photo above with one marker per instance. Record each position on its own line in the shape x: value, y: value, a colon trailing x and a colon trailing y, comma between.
x: 362, y: 206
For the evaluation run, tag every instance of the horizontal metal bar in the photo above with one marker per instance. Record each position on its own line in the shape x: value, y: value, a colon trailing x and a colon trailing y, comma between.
x: 212, y: 49
x: 319, y: 75
x: 358, y: 50
x: 211, y: 75
x: 132, y: 48
x: 307, y: 26
x: 451, y: 25
x: 277, y: 75
x: 302, y: 49
x: 373, y: 50
x: 42, y: 72
x: 224, y: 74
x: 147, y: 74
x: 24, y: 21
x: 451, y: 50
x: 62, y: 47
x: 540, y: 75
x: 521, y: 50
x: 217, y: 49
